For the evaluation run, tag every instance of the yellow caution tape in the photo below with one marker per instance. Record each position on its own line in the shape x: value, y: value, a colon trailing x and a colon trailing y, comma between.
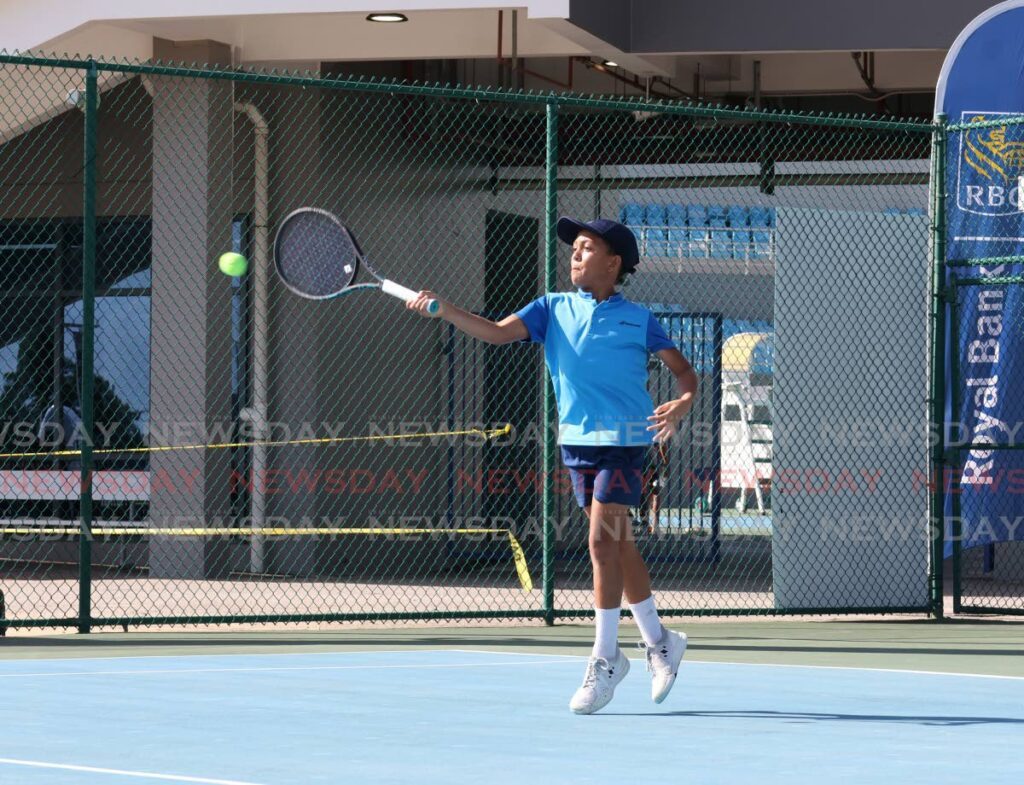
x: 518, y: 556
x: 487, y: 434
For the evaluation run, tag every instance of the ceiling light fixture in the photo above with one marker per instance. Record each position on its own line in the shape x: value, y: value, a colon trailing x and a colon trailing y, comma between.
x: 611, y: 64
x: 387, y: 18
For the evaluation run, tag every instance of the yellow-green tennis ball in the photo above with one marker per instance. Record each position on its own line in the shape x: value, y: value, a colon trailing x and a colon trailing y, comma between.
x: 233, y: 264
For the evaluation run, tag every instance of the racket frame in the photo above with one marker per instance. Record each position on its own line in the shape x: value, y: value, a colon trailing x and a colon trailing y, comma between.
x: 384, y: 284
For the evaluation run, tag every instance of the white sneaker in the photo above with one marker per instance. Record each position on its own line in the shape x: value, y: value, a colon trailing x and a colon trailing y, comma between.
x: 663, y: 662
x: 599, y: 683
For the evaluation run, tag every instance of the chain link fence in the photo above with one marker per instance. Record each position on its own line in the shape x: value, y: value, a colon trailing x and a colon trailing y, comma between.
x: 787, y: 255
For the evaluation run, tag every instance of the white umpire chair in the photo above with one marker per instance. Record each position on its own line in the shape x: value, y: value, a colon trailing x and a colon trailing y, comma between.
x: 746, y: 420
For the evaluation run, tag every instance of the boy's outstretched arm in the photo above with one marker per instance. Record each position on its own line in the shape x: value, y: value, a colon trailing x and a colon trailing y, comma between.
x: 508, y: 330
x: 667, y: 416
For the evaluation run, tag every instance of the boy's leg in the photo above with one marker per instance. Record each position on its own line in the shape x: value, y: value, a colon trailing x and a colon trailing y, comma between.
x: 625, y: 485
x: 610, y: 525
x: 606, y: 525
x: 636, y: 580
x: 619, y: 568
x: 664, y: 648
x: 607, y: 665
x: 637, y: 584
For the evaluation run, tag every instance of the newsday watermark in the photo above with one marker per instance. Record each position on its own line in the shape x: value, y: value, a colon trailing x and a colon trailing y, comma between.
x: 570, y: 529
x: 424, y: 434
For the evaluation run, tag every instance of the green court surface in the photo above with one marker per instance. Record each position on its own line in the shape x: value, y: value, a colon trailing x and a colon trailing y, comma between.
x: 982, y: 647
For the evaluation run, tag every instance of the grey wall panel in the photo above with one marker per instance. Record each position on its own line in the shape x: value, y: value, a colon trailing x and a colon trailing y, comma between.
x: 850, y: 416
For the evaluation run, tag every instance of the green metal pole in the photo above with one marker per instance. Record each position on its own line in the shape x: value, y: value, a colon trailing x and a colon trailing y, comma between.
x: 550, y: 283
x: 88, y: 336
x: 955, y: 455
x: 937, y: 397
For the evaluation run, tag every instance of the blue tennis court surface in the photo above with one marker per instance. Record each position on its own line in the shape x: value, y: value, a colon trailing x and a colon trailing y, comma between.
x: 730, y: 522
x: 452, y: 716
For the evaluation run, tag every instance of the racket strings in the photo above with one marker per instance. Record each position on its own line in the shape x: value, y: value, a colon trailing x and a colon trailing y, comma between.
x: 314, y: 254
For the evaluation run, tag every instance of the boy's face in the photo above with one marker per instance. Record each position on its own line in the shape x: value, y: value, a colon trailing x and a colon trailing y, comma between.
x: 593, y: 264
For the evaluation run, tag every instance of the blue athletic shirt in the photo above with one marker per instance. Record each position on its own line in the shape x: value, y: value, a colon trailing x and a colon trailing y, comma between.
x: 596, y: 353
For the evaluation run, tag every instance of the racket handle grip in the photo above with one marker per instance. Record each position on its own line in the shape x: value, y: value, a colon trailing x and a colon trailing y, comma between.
x: 403, y: 293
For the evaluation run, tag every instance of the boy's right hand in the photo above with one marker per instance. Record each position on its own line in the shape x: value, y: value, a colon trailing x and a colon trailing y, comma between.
x: 420, y: 304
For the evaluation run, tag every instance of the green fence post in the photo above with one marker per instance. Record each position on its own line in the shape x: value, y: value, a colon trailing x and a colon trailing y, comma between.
x: 937, y: 397
x: 954, y: 455
x: 550, y: 283
x: 88, y: 335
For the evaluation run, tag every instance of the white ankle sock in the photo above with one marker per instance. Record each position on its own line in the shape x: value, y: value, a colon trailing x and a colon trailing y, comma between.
x: 606, y: 643
x: 647, y: 620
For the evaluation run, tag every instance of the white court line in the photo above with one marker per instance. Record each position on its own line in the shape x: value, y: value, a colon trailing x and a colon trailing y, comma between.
x: 274, y: 669
x: 146, y: 775
x: 563, y: 658
x: 766, y: 665
x: 854, y: 668
x: 148, y: 657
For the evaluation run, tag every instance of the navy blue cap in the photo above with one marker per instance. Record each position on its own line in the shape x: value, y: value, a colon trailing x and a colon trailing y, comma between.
x: 620, y: 238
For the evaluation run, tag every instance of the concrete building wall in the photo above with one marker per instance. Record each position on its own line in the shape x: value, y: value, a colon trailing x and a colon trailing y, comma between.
x: 45, y: 162
x: 387, y: 173
x: 190, y: 350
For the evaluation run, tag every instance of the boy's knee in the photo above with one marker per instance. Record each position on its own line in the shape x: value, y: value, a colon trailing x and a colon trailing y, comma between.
x: 604, y: 550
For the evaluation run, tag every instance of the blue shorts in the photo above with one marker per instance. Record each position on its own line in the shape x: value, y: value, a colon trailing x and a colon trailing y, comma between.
x: 612, y: 475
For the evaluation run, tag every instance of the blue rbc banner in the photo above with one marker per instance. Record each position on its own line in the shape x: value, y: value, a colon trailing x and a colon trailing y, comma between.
x: 982, y: 80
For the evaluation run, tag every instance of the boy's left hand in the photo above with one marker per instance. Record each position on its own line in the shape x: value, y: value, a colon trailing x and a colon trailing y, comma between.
x: 666, y: 418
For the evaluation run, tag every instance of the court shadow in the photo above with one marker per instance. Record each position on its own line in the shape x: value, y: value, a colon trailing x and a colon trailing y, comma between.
x: 805, y: 716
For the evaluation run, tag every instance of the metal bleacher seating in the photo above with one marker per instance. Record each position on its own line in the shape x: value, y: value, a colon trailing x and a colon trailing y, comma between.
x: 718, y: 224
x: 739, y: 232
x: 696, y: 231
x: 657, y: 230
x: 675, y: 219
x: 699, y: 239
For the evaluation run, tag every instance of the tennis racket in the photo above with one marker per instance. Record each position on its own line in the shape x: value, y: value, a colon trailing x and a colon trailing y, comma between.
x: 317, y: 257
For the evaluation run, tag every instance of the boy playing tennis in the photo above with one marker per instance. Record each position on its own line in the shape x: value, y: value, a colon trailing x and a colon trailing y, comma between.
x: 596, y: 345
